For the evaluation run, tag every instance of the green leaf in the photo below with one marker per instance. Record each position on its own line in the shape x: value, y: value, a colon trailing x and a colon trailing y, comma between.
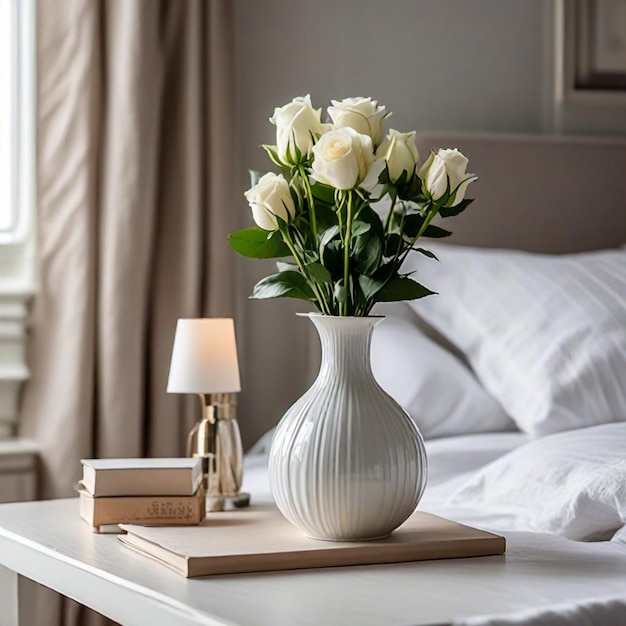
x: 308, y: 256
x: 370, y: 285
x: 428, y: 253
x: 412, y: 191
x: 435, y: 232
x: 332, y: 258
x: 281, y: 266
x: 393, y: 244
x: 319, y: 272
x: 273, y: 155
x: 368, y: 247
x: 325, y: 214
x: 359, y: 228
x: 412, y: 225
x: 298, y: 158
x: 324, y: 193
x: 283, y: 285
x: 257, y: 243
x: 455, y: 210
x: 367, y: 252
x: 340, y: 293
x: 328, y: 235
x: 402, y: 288
x: 383, y: 179
x: 401, y: 182
x: 357, y: 293
x: 369, y: 216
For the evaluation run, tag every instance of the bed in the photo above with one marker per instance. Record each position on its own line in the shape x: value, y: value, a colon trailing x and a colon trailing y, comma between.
x: 516, y: 376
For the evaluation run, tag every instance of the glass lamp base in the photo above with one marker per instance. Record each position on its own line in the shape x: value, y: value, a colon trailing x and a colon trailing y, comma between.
x: 227, y: 503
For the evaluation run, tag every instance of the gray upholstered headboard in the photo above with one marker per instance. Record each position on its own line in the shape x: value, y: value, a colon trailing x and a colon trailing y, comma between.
x: 541, y: 193
x: 537, y: 193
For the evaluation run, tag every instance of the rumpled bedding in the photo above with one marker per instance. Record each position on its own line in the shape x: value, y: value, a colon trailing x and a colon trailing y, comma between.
x: 543, y: 579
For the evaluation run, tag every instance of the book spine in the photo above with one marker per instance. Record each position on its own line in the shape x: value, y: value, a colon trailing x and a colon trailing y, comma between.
x: 143, y: 510
x: 141, y: 482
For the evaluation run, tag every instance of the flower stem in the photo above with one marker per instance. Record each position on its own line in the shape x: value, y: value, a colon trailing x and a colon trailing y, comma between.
x: 400, y: 255
x: 309, y: 195
x: 346, y: 253
x: 399, y: 248
x: 322, y: 303
x: 434, y: 209
x: 390, y: 214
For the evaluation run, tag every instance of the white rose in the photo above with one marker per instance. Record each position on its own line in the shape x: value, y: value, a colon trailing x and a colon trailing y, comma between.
x: 295, y: 123
x: 344, y: 159
x: 445, y: 171
x: 400, y: 153
x: 362, y: 114
x: 270, y: 198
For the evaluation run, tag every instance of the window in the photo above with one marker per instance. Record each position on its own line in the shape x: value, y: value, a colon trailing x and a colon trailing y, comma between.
x: 17, y: 198
x: 17, y: 107
x: 7, y: 111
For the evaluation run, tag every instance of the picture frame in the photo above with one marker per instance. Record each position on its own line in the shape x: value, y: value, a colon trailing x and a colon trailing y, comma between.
x: 591, y: 52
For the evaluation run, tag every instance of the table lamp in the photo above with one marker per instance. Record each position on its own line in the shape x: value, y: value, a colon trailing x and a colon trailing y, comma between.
x: 204, y: 362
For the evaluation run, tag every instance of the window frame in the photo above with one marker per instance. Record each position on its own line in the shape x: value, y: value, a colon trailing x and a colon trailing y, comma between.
x: 24, y: 120
x: 18, y: 282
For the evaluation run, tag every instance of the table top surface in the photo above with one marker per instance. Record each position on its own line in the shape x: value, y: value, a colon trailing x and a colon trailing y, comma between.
x: 48, y: 542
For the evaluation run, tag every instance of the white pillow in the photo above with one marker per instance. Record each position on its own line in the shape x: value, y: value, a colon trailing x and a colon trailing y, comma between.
x: 571, y: 483
x: 546, y: 335
x: 438, y: 391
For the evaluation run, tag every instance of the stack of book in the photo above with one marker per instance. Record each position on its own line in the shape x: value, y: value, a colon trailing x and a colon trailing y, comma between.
x: 155, y: 492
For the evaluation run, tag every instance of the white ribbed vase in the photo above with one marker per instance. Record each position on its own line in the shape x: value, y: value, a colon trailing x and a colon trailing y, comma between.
x: 347, y: 463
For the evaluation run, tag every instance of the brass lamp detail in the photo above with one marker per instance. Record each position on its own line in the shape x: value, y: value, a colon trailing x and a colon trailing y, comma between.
x: 217, y: 441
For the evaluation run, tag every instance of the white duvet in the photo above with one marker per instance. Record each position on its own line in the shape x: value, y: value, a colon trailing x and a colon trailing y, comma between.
x: 545, y: 579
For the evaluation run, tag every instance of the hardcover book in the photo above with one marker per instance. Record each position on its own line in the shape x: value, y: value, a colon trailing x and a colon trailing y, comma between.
x: 142, y: 477
x: 153, y: 510
x: 260, y: 539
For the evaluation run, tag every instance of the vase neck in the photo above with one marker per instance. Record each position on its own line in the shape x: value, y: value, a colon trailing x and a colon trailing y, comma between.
x: 345, y: 343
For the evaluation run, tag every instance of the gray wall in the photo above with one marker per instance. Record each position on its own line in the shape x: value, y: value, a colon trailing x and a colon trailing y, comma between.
x: 468, y: 65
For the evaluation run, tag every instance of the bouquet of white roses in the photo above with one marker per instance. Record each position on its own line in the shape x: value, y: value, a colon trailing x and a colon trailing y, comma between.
x: 347, y: 207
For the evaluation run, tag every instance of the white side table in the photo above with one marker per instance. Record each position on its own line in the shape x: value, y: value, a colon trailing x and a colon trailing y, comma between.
x: 48, y: 543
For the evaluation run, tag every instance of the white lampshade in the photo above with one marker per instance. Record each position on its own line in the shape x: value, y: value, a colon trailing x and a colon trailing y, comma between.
x: 204, y: 357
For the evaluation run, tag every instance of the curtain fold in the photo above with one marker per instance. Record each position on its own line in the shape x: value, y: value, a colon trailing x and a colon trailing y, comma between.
x: 136, y: 196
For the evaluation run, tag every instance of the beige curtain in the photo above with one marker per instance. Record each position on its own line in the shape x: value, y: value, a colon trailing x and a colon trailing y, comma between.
x: 136, y: 197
